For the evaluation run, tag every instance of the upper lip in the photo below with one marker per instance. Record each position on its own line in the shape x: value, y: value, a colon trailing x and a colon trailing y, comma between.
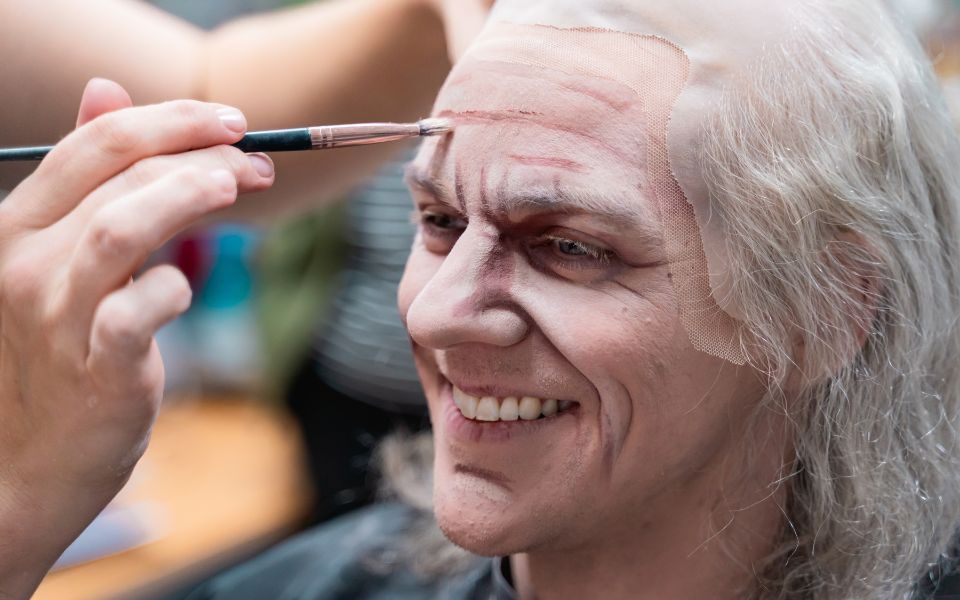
x: 480, y: 390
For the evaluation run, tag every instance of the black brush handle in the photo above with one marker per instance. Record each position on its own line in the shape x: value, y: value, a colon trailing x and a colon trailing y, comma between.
x: 279, y: 140
x: 32, y: 153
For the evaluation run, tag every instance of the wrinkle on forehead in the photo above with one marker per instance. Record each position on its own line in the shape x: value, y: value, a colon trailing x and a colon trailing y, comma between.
x: 589, y: 90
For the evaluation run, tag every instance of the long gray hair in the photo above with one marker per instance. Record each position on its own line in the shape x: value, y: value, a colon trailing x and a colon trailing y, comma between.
x: 835, y: 173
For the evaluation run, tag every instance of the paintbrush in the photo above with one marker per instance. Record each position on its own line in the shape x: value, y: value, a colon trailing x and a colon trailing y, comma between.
x: 304, y: 138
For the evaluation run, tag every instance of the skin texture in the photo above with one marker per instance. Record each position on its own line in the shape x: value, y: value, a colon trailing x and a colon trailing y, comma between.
x: 539, y: 270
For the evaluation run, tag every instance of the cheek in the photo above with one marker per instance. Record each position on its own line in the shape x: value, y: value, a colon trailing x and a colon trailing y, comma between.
x: 621, y: 342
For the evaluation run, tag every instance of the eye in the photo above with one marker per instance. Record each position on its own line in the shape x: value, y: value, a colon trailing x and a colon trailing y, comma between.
x: 439, y: 229
x: 442, y: 221
x: 573, y: 248
x: 565, y: 253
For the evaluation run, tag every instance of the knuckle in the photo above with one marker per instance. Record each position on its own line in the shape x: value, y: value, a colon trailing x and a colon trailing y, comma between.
x: 193, y: 177
x: 194, y: 184
x: 178, y: 291
x: 114, y: 134
x: 233, y: 159
x: 118, y: 321
x: 140, y: 174
x: 189, y: 110
x: 180, y: 288
x: 111, y: 235
x: 194, y: 115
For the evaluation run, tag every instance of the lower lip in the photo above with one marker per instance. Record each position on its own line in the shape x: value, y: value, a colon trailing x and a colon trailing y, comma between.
x: 497, y: 431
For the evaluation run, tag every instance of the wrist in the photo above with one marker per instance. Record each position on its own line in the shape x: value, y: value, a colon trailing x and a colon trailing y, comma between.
x: 28, y: 551
x: 36, y: 525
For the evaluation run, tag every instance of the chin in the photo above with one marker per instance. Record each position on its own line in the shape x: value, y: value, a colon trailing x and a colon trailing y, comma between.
x: 478, y: 517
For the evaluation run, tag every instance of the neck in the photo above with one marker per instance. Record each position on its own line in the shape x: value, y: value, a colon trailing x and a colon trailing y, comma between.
x: 706, y: 539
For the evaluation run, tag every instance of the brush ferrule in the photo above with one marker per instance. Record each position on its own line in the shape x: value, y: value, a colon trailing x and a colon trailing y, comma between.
x: 336, y: 136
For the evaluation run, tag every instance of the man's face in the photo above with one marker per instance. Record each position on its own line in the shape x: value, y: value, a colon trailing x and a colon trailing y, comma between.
x: 538, y: 281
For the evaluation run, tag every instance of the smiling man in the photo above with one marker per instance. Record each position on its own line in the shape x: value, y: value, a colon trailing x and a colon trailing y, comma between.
x: 540, y: 284
x: 683, y: 303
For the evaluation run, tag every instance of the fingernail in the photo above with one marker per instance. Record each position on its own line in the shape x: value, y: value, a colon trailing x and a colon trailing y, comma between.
x: 232, y: 119
x: 261, y: 164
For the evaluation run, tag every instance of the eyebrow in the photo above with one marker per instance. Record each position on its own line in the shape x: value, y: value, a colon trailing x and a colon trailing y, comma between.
x: 415, y: 176
x: 618, y: 210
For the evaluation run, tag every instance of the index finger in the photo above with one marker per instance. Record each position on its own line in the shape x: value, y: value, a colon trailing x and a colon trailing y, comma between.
x: 113, y: 142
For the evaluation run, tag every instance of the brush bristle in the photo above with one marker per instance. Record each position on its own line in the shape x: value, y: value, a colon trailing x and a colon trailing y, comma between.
x: 434, y: 126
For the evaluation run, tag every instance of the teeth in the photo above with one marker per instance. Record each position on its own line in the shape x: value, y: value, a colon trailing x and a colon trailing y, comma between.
x: 466, y: 403
x: 549, y: 408
x: 529, y: 408
x: 511, y: 408
x: 488, y: 409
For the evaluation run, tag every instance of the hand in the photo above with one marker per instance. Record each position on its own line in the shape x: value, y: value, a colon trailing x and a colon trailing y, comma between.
x: 80, y: 374
x: 463, y: 20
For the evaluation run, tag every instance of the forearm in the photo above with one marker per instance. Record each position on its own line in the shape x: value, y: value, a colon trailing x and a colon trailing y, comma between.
x: 341, y: 61
x: 329, y: 62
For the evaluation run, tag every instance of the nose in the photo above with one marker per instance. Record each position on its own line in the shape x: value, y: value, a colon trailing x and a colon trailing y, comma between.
x: 469, y: 298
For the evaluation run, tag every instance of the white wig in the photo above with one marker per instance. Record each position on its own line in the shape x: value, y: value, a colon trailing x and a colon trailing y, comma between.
x: 835, y: 171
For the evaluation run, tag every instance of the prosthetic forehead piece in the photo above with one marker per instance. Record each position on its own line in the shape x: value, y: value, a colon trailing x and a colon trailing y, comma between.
x: 677, y: 57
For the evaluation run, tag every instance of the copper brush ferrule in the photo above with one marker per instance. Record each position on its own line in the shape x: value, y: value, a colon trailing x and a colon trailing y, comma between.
x: 292, y: 140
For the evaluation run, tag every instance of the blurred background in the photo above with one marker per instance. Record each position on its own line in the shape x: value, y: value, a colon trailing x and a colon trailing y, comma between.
x: 230, y: 471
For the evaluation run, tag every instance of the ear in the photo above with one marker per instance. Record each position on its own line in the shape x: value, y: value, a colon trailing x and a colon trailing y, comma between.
x: 852, y: 260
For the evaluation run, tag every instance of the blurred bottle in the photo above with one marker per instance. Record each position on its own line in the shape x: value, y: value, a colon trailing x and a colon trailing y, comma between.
x: 223, y: 320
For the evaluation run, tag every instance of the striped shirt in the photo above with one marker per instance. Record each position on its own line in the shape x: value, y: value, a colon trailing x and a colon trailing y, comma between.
x: 363, y: 350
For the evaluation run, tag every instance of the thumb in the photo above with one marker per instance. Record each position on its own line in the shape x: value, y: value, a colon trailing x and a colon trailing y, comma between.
x: 100, y: 97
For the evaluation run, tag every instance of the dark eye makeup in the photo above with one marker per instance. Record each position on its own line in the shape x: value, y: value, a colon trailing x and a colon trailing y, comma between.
x: 556, y: 249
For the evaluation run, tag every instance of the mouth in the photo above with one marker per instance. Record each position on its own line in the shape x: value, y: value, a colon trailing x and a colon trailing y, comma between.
x: 493, y: 409
x: 493, y: 415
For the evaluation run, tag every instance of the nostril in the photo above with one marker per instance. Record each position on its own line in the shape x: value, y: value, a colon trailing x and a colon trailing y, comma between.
x: 438, y: 321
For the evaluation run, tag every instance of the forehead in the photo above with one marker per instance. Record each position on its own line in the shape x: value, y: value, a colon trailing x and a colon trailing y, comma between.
x: 583, y: 104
